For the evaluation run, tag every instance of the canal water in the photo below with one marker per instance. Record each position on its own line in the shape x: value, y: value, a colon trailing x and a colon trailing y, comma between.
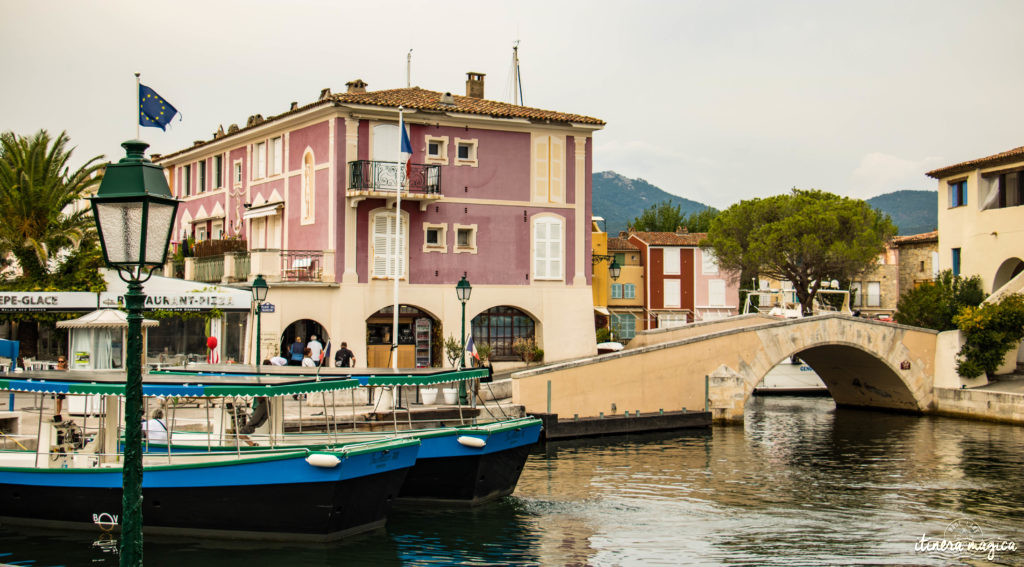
x: 801, y: 483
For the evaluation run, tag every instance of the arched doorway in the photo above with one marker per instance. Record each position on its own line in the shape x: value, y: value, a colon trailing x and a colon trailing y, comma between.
x: 303, y: 329
x: 419, y: 338
x: 1006, y: 272
x: 499, y: 327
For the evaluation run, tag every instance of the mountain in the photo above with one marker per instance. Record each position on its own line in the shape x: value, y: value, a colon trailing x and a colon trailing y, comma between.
x: 620, y: 200
x: 913, y: 212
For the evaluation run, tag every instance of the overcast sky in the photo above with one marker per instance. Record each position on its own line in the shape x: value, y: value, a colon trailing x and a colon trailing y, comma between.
x: 714, y: 101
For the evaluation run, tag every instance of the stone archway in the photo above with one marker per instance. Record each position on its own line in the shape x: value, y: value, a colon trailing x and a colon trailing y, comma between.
x: 420, y: 337
x: 302, y: 329
x: 1008, y: 270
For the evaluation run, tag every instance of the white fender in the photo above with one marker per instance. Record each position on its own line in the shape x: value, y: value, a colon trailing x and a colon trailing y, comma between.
x: 474, y: 442
x: 323, y: 460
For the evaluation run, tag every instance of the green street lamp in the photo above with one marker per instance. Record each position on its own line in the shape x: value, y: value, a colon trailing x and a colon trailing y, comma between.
x: 259, y: 295
x: 463, y: 291
x: 134, y: 212
x: 614, y: 270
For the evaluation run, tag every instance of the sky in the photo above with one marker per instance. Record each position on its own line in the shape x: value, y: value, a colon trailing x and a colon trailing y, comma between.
x: 715, y: 101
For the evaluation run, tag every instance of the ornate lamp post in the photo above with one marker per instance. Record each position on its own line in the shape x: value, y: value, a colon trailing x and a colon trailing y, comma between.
x: 259, y: 295
x: 462, y: 291
x: 134, y: 212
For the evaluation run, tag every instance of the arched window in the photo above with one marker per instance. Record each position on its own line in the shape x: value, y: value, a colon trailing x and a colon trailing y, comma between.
x: 308, y: 186
x: 500, y: 327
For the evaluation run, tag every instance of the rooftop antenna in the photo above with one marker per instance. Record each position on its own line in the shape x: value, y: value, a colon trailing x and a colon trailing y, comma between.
x: 408, y: 70
x: 517, y: 81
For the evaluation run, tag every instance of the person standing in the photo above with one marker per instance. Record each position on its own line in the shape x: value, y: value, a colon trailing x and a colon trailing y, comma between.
x: 296, y: 352
x: 344, y: 358
x: 315, y: 348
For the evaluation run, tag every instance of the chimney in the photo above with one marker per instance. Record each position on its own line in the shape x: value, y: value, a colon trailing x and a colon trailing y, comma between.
x: 682, y: 230
x: 356, y: 87
x: 325, y: 93
x: 475, y: 85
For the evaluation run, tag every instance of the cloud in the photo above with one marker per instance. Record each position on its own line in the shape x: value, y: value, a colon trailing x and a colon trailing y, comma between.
x: 880, y: 173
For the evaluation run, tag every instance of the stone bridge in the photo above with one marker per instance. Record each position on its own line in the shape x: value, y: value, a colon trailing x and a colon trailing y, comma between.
x: 716, y: 365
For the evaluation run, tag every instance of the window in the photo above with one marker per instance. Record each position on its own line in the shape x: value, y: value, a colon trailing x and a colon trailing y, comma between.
x: 623, y: 325
x: 921, y: 269
x: 437, y: 149
x: 547, y: 248
x: 238, y: 173
x: 201, y: 232
x: 716, y: 293
x: 673, y: 293
x: 387, y: 260
x: 856, y: 297
x: 956, y: 261
x: 217, y: 230
x: 500, y: 327
x: 669, y: 320
x: 616, y: 291
x: 465, y: 152
x: 202, y: 176
x: 259, y: 160
x: 874, y: 296
x: 276, y: 155
x: 629, y: 291
x: 708, y: 262
x: 958, y: 193
x: 465, y: 238
x: 435, y: 237
x: 218, y: 172
x: 620, y: 259
x: 548, y: 169
x: 186, y: 180
x: 671, y: 265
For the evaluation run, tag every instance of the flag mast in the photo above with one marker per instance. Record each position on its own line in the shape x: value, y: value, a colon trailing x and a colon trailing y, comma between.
x: 398, y: 235
x: 138, y: 110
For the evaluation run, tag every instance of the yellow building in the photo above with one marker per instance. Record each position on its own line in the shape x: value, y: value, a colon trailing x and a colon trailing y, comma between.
x: 626, y: 296
x: 981, y: 218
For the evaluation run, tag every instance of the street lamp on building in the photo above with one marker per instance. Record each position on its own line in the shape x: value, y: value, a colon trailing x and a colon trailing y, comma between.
x: 463, y: 291
x: 613, y: 268
x: 134, y: 213
x: 259, y: 295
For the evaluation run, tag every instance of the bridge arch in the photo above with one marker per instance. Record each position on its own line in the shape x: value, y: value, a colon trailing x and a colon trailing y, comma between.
x: 717, y: 365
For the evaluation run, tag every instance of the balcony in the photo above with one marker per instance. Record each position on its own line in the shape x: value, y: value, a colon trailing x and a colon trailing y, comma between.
x: 379, y: 179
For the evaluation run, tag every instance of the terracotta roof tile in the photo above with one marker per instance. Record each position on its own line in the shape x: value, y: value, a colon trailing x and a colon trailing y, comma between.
x: 418, y: 99
x: 671, y: 238
x: 616, y: 243
x: 422, y: 99
x: 932, y: 236
x: 1016, y: 154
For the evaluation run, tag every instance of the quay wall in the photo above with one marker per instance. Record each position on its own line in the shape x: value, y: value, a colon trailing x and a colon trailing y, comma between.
x: 980, y: 404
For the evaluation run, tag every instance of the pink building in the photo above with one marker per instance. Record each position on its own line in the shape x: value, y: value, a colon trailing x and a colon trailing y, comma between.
x: 683, y: 281
x: 498, y: 193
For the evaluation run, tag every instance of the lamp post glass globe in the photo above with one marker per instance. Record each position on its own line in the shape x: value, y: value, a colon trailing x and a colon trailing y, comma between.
x: 614, y: 270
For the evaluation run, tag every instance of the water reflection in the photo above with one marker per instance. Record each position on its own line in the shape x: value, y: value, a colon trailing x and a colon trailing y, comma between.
x: 803, y: 482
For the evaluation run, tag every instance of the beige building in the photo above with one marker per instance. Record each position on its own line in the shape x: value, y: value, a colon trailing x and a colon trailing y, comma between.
x: 981, y: 219
x: 918, y: 258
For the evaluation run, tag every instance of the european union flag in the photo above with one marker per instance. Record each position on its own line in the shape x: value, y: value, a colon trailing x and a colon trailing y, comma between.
x: 153, y: 109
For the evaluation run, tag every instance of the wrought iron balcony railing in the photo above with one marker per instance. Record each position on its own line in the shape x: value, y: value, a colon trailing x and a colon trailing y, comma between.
x: 383, y: 176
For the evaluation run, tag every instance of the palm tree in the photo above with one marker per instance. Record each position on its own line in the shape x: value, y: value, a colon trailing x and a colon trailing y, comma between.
x: 41, y: 201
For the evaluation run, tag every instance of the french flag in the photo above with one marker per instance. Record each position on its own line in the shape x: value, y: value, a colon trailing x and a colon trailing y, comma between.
x: 471, y: 349
x: 405, y: 156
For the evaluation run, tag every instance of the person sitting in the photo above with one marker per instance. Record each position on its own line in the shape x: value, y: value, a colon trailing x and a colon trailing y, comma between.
x: 259, y: 416
x: 154, y: 429
x: 307, y: 358
x: 278, y: 361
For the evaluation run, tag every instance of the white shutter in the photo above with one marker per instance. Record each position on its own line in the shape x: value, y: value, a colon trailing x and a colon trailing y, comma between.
x: 716, y: 293
x: 541, y: 151
x: 540, y: 249
x: 555, y: 250
x: 671, y: 261
x: 673, y: 294
x: 380, y: 245
x: 556, y: 187
x: 398, y: 267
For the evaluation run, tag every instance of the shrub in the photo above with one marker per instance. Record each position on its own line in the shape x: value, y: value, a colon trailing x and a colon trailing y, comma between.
x: 604, y: 335
x: 990, y: 331
x: 527, y: 350
x: 934, y: 305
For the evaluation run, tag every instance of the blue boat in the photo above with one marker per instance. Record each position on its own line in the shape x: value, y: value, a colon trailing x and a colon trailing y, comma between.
x: 457, y: 464
x: 291, y: 494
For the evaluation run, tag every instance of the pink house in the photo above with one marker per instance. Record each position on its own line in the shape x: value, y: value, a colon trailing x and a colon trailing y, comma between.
x: 683, y: 281
x: 497, y: 192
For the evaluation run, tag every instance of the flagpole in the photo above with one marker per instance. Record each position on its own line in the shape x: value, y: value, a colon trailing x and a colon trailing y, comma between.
x: 138, y: 105
x: 398, y: 234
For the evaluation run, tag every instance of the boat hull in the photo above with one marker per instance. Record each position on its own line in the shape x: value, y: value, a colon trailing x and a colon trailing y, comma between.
x: 448, y: 471
x: 286, y: 499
